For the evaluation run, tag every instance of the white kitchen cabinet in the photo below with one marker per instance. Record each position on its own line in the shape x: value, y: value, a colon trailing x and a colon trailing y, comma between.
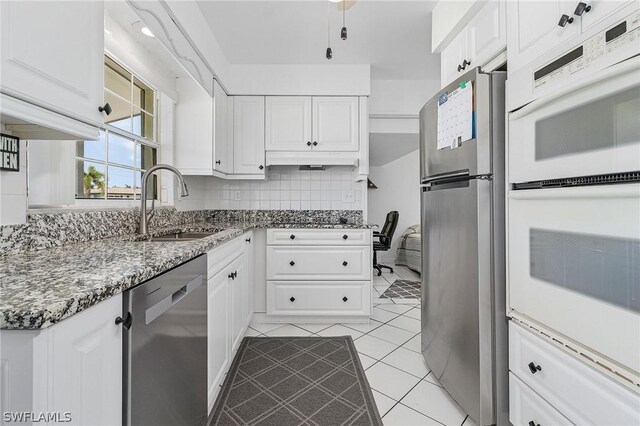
x: 222, y: 151
x: 248, y: 135
x: 74, y: 367
x: 250, y: 261
x: 599, y: 10
x: 487, y: 33
x: 288, y: 123
x: 335, y: 123
x: 526, y: 406
x: 237, y: 283
x: 573, y: 387
x: 452, y: 58
x: 218, y: 326
x: 533, y: 29
x: 52, y: 55
x: 319, y: 273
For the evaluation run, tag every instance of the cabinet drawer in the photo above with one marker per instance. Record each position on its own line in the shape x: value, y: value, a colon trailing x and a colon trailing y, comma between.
x: 526, y: 406
x: 577, y: 390
x: 318, y: 263
x: 223, y: 255
x: 318, y: 298
x: 333, y: 237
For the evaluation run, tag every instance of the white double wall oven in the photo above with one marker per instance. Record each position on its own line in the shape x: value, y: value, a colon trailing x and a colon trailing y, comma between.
x: 574, y: 215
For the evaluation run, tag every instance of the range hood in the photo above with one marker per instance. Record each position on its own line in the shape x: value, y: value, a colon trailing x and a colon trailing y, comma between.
x: 310, y: 158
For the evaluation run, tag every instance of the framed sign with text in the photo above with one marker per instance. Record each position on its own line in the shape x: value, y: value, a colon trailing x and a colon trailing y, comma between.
x: 9, y: 153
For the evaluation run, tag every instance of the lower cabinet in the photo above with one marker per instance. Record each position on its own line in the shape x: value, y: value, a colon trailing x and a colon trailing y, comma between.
x: 72, y: 370
x: 319, y: 273
x: 229, y: 307
x: 550, y: 386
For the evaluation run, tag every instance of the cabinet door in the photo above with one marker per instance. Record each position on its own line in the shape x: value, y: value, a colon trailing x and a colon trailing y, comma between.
x: 452, y: 57
x: 221, y: 144
x: 248, y: 135
x: 533, y: 30
x: 218, y: 330
x: 486, y: 33
x: 599, y: 10
x: 335, y: 124
x: 52, y: 55
x: 288, y: 123
x: 238, y: 296
x: 86, y: 365
x: 250, y: 274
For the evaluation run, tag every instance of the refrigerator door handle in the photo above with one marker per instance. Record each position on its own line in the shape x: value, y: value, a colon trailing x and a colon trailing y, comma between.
x: 448, y: 175
x: 451, y: 178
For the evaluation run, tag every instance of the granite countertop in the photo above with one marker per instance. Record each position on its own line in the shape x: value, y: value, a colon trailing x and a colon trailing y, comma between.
x: 42, y: 287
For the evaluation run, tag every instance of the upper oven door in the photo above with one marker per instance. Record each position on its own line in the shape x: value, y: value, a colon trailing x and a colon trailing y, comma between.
x: 585, y: 130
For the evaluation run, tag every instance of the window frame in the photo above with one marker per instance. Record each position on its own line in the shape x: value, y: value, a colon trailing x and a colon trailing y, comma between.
x: 138, y: 141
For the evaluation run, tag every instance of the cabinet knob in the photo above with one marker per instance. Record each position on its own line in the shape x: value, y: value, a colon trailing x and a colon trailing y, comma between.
x: 106, y: 108
x: 345, y: 263
x: 345, y: 236
x: 126, y: 321
x: 581, y: 8
x: 293, y: 237
x: 564, y: 20
x: 292, y: 263
x: 293, y: 299
x: 231, y: 276
x: 315, y: 143
x: 218, y: 162
x: 532, y: 423
x: 308, y: 143
x: 261, y: 167
x: 534, y: 368
x: 344, y: 299
x: 248, y: 240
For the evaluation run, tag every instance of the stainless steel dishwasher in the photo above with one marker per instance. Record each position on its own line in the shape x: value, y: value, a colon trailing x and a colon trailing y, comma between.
x: 165, y: 348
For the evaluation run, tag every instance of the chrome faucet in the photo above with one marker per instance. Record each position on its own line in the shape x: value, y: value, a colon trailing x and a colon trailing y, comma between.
x: 144, y: 218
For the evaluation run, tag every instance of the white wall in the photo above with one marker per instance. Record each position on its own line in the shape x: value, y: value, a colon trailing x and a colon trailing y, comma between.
x: 398, y: 185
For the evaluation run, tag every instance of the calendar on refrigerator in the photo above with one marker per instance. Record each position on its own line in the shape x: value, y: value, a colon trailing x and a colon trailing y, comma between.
x: 456, y: 116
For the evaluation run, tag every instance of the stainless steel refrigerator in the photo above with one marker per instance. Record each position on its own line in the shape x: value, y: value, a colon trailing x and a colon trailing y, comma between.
x: 464, y: 324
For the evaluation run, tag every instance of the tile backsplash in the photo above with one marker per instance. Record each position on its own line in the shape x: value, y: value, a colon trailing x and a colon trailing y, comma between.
x: 286, y: 188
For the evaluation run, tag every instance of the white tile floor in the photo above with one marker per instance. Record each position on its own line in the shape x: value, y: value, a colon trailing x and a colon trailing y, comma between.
x: 404, y: 388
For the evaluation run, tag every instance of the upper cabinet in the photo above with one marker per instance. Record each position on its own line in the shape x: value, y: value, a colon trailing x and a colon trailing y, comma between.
x: 477, y: 44
x: 536, y: 28
x: 302, y: 123
x: 54, y: 58
x: 335, y: 124
x: 288, y: 123
x: 222, y: 152
x: 248, y: 134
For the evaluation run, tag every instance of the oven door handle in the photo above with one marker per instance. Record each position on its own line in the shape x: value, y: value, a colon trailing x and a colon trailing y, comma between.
x: 628, y: 68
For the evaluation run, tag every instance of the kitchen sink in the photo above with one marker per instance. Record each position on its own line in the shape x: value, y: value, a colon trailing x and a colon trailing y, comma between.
x: 181, y: 236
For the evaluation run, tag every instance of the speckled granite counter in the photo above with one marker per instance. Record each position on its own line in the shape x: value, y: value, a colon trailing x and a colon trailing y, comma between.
x: 39, y: 288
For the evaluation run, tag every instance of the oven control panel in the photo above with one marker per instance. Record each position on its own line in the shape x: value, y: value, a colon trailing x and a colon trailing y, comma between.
x: 605, y: 42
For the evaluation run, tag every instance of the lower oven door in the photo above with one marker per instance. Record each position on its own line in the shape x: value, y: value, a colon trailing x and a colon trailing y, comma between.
x: 574, y: 266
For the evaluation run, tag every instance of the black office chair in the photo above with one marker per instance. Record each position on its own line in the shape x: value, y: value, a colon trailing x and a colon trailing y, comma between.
x: 384, y: 240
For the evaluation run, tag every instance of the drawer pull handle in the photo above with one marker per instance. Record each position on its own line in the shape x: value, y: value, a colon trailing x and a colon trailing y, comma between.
x: 292, y: 263
x: 345, y: 236
x: 344, y: 299
x: 345, y: 263
x: 532, y: 423
x: 293, y: 299
x: 293, y: 237
x: 534, y: 368
x: 564, y: 20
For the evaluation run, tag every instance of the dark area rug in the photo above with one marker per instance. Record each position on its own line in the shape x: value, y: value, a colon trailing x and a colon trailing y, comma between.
x: 403, y: 289
x: 283, y: 381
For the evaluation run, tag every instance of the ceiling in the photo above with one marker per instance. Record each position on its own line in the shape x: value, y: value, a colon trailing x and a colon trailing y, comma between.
x: 393, y: 36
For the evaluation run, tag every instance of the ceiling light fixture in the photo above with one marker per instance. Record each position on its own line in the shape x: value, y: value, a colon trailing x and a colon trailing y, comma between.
x: 329, y: 53
x: 146, y: 31
x: 343, y: 31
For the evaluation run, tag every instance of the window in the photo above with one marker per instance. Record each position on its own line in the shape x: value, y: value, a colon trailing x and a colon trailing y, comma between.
x: 112, y: 166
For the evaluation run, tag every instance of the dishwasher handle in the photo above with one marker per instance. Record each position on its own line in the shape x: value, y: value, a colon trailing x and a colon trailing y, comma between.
x: 168, y: 302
